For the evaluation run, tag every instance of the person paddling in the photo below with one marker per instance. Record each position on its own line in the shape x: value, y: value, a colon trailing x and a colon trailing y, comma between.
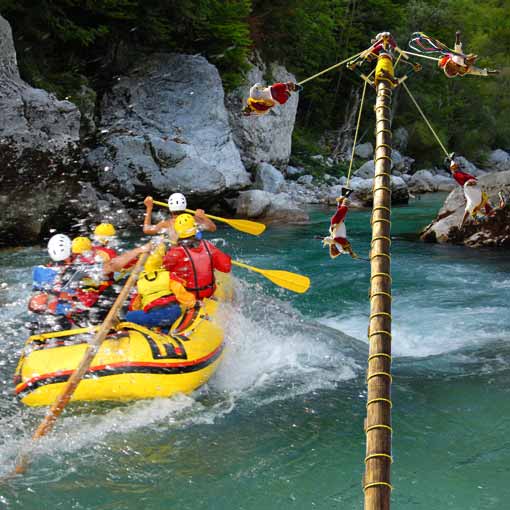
x: 159, y: 294
x: 105, y: 240
x: 64, y: 285
x: 177, y: 204
x: 194, y: 260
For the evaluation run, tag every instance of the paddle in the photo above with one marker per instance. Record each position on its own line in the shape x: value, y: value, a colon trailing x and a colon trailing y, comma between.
x: 291, y: 281
x: 72, y: 383
x: 249, y: 227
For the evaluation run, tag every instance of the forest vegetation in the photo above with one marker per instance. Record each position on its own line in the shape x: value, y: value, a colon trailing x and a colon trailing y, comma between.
x: 64, y: 44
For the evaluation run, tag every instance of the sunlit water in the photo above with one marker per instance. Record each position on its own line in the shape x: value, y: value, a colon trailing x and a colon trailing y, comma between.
x: 280, y: 424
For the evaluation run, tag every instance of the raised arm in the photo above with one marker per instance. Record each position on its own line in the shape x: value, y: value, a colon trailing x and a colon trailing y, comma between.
x: 204, y: 222
x: 148, y: 228
x: 119, y: 262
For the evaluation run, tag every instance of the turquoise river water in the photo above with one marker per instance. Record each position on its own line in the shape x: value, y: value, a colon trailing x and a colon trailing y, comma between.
x: 280, y: 424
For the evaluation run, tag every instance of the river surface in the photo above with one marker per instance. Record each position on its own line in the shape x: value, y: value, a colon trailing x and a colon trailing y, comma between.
x: 280, y: 426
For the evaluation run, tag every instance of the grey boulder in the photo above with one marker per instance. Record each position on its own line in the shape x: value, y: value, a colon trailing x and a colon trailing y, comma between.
x: 269, y: 207
x: 268, y: 178
x: 165, y: 127
x: 364, y: 150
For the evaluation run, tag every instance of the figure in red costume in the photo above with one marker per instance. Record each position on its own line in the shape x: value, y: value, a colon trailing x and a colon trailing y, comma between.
x: 193, y: 261
x: 262, y: 99
x: 476, y: 199
x: 337, y: 239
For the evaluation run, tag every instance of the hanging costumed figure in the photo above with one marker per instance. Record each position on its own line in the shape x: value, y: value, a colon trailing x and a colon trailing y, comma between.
x: 262, y: 99
x: 337, y: 239
x: 476, y: 199
x: 452, y: 62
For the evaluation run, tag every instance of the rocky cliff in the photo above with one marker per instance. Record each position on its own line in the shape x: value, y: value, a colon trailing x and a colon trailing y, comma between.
x: 164, y: 128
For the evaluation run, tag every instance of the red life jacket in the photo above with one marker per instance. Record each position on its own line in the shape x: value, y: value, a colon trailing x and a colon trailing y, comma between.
x: 197, y: 270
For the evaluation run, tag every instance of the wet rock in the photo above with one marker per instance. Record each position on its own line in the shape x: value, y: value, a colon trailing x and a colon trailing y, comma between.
x: 294, y: 172
x: 363, y: 190
x: 283, y: 209
x: 85, y: 100
x: 423, y: 181
x: 39, y: 154
x: 427, y: 181
x: 467, y: 166
x: 252, y: 203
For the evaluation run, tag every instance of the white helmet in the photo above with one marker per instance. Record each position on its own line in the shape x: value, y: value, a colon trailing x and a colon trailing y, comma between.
x: 177, y: 202
x: 59, y: 247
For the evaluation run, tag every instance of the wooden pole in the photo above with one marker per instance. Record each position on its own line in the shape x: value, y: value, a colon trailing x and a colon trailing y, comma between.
x: 72, y: 383
x: 377, y: 481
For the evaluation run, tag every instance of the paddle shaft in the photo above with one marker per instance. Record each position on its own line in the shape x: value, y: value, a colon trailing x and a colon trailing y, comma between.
x: 246, y: 266
x: 249, y: 227
x: 72, y: 383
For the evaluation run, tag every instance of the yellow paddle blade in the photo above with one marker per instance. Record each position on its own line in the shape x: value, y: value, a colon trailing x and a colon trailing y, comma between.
x: 291, y: 281
x: 247, y: 226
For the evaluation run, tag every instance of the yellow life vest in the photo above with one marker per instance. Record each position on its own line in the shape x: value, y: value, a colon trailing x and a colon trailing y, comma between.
x: 153, y: 285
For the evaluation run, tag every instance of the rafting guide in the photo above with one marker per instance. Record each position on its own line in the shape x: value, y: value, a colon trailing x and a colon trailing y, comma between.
x: 180, y: 276
x: 177, y: 205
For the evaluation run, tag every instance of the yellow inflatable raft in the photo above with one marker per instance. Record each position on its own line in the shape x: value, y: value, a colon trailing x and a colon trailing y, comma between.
x: 133, y: 362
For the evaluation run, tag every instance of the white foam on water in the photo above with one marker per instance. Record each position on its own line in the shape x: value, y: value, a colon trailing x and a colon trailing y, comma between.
x: 428, y: 331
x: 272, y: 354
x: 270, y: 343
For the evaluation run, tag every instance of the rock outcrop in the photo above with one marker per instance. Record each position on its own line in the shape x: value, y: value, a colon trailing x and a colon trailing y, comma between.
x: 165, y: 127
x: 425, y: 181
x: 268, y: 178
x: 493, y: 231
x: 499, y: 160
x: 269, y: 207
x: 267, y: 138
x: 39, y: 153
x: 363, y: 191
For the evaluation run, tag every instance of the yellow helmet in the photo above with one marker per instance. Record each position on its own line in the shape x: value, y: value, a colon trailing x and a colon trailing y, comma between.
x: 105, y: 230
x: 185, y: 226
x: 80, y: 245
